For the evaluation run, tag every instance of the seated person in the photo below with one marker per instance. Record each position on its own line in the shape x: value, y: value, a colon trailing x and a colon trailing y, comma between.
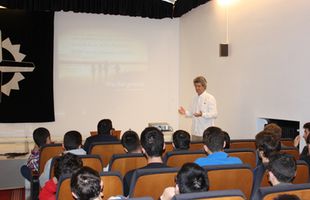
x: 190, y: 178
x: 274, y: 129
x: 287, y: 197
x: 305, y: 153
x: 41, y: 136
x: 104, y: 130
x: 153, y: 145
x: 181, y: 140
x: 72, y: 144
x: 65, y: 165
x: 86, y: 184
x: 266, y: 145
x: 131, y: 142
x: 281, y: 169
x: 227, y: 140
x: 213, y: 140
x: 305, y: 135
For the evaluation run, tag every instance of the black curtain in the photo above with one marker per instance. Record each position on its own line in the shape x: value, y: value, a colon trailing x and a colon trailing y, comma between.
x: 145, y: 8
x: 26, y: 67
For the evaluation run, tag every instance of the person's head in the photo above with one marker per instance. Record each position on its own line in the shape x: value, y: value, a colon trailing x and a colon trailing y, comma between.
x: 227, y: 140
x: 267, y: 145
x: 213, y: 139
x: 306, y: 130
x: 131, y: 142
x: 104, y: 127
x: 200, y: 84
x: 72, y: 140
x: 152, y: 142
x: 274, y: 129
x: 287, y: 197
x: 67, y: 164
x: 181, y: 140
x: 86, y: 184
x: 192, y: 178
x: 281, y: 168
x: 41, y: 136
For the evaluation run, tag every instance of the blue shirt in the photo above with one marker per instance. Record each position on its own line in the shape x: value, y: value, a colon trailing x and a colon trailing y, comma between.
x: 217, y: 158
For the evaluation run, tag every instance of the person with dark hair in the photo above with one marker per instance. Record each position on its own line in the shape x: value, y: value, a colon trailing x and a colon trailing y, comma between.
x: 281, y: 169
x: 287, y: 197
x: 153, y: 145
x: 131, y: 142
x: 305, y: 155
x: 65, y: 165
x: 72, y: 143
x: 41, y: 137
x: 305, y: 150
x: 190, y: 178
x: 267, y: 145
x: 181, y: 140
x: 214, y: 142
x: 227, y: 140
x: 203, y: 110
x: 104, y: 130
x: 86, y: 184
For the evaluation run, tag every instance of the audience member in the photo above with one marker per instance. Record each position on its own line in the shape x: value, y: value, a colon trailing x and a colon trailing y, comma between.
x: 86, y: 184
x: 274, y: 129
x: 227, y: 140
x: 305, y: 135
x: 305, y: 153
x: 287, y: 197
x: 267, y: 145
x: 131, y: 142
x: 65, y: 165
x: 152, y: 142
x: 181, y: 140
x: 72, y: 144
x: 41, y: 137
x: 213, y: 139
x: 104, y: 130
x: 281, y: 169
x: 190, y: 178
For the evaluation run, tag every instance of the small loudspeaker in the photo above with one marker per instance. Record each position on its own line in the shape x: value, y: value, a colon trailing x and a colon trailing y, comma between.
x: 223, y: 50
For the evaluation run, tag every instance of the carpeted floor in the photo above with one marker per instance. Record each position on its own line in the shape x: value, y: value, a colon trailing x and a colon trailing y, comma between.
x: 13, y: 194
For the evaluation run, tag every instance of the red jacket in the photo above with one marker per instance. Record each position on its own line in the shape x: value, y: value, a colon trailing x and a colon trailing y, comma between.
x: 48, y: 192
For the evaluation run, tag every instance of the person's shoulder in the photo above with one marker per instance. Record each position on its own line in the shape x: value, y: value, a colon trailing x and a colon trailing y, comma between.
x: 235, y: 160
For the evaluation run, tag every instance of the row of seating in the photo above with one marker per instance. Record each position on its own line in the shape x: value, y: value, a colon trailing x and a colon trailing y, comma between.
x: 107, y: 150
x: 145, y: 182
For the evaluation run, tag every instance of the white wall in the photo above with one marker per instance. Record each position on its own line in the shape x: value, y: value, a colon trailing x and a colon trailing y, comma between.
x: 122, y: 68
x: 267, y: 70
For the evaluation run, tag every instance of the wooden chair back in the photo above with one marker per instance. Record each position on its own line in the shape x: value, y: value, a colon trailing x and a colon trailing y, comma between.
x: 245, y: 143
x: 227, y: 177
x: 288, y: 142
x: 178, y: 158
x: 248, y: 156
x: 47, y: 152
x: 291, y: 150
x: 269, y: 193
x: 151, y: 182
x: 113, y: 184
x: 105, y: 150
x: 212, y: 195
x: 64, y: 189
x: 126, y: 162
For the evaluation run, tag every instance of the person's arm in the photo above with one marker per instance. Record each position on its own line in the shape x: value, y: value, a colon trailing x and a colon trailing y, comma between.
x: 168, y: 193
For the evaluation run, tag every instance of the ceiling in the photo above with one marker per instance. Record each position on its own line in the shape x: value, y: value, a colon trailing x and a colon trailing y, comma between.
x: 156, y: 9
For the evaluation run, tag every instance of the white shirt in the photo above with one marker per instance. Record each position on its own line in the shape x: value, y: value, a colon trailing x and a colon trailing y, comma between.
x: 206, y: 104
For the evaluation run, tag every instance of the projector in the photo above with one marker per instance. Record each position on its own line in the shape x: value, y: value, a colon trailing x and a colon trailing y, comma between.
x: 163, y: 126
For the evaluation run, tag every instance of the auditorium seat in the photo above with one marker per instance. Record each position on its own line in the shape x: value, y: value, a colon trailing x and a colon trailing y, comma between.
x: 248, y: 156
x: 178, y: 158
x: 48, y: 151
x: 212, y: 195
x: 227, y: 177
x: 151, y: 182
x: 243, y: 143
x: 126, y: 162
x: 291, y: 150
x: 106, y: 149
x: 269, y: 193
x: 288, y: 142
x: 112, y: 184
